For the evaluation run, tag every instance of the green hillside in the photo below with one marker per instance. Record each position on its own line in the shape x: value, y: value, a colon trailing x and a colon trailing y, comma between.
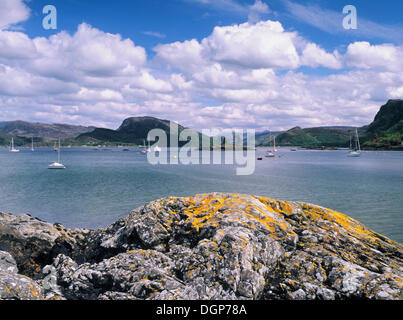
x: 316, y: 137
x: 5, y: 140
x: 263, y: 138
x: 386, y: 131
x: 295, y: 137
x: 132, y: 131
x: 101, y: 136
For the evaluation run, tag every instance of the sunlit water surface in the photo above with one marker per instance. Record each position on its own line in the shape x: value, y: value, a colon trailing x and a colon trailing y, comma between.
x: 101, y: 186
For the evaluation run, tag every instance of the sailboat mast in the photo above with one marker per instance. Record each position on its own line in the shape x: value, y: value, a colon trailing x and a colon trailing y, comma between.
x: 58, y: 153
x: 358, y: 140
x: 274, y: 144
x: 271, y: 140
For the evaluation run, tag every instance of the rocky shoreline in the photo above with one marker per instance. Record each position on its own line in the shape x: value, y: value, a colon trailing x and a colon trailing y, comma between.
x: 213, y: 246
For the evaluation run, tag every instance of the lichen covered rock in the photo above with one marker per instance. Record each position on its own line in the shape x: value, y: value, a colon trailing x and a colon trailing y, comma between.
x: 34, y: 243
x: 14, y: 286
x: 227, y: 246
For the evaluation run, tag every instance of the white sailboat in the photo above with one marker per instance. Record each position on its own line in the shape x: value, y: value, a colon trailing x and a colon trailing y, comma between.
x: 57, y: 165
x: 271, y: 153
x: 144, y: 151
x: 356, y: 152
x: 32, y: 145
x: 148, y: 149
x: 12, y: 149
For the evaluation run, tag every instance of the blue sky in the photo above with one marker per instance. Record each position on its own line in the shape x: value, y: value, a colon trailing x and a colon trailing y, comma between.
x: 178, y: 20
x: 176, y: 76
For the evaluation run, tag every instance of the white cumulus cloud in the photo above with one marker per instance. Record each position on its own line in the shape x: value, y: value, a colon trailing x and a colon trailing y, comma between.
x: 315, y: 56
x: 245, y: 75
x: 12, y: 12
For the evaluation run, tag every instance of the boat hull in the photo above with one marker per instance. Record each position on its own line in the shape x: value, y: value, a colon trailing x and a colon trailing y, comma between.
x: 269, y: 155
x: 354, y: 155
x: 56, y: 166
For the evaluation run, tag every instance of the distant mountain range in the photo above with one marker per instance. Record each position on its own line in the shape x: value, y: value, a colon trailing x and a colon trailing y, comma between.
x: 41, y: 132
x: 133, y: 130
x: 315, y: 137
x: 385, y: 132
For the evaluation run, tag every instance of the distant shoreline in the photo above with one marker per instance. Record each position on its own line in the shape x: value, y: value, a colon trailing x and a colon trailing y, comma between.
x: 400, y: 148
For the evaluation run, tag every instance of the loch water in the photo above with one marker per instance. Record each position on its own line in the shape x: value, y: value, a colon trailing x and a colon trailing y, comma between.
x: 100, y: 186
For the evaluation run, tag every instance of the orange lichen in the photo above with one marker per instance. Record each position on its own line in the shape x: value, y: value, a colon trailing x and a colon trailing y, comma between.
x: 206, y: 209
x: 314, y: 214
x: 337, y: 219
x: 276, y: 216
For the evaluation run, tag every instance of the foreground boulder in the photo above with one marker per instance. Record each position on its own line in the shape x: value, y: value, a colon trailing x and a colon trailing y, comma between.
x: 34, y: 243
x: 216, y: 246
x: 14, y: 286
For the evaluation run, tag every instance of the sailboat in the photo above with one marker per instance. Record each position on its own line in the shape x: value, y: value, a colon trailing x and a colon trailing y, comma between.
x: 271, y: 153
x: 144, y: 151
x: 274, y: 144
x: 149, y: 148
x: 12, y: 149
x: 57, y: 165
x: 356, y: 152
x: 32, y: 145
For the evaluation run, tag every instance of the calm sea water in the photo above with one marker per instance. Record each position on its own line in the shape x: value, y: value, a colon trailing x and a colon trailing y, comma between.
x: 102, y: 186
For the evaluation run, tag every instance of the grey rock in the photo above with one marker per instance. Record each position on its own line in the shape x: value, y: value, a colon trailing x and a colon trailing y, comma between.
x: 298, y: 295
x: 34, y: 243
x: 215, y: 246
x: 7, y: 262
x: 18, y: 287
x: 14, y: 286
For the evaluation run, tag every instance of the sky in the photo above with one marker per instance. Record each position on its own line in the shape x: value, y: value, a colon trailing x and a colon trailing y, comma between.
x: 260, y: 64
